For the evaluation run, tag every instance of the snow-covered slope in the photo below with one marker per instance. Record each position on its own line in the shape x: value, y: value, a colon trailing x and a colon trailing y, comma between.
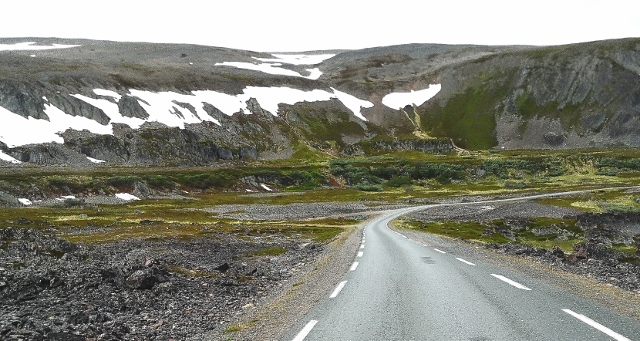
x: 93, y: 103
x: 175, y: 109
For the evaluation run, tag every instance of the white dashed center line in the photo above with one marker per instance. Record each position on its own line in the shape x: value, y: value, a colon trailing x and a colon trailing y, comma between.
x: 514, y: 283
x: 465, y: 261
x: 335, y: 292
x: 305, y: 331
x: 596, y: 325
x: 437, y: 250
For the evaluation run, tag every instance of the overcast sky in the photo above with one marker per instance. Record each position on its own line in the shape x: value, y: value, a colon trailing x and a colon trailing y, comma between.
x: 287, y: 25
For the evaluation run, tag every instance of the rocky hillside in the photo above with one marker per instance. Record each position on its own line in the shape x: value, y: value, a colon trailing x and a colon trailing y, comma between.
x: 83, y: 102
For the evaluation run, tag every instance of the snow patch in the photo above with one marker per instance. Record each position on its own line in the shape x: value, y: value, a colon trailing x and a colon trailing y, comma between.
x: 14, y: 128
x: 59, y: 121
x: 8, y: 158
x: 272, y: 65
x: 65, y: 197
x: 126, y: 196
x: 170, y: 108
x: 162, y: 107
x: 25, y: 201
x: 28, y: 46
x: 398, y: 100
x: 111, y: 110
x: 272, y: 69
x: 296, y: 59
x: 270, y: 98
x: 228, y: 104
x: 267, y: 188
x: 95, y: 160
x: 352, y: 103
x: 107, y: 93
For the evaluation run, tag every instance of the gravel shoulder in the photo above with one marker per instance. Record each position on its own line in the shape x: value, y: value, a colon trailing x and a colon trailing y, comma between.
x: 280, y: 313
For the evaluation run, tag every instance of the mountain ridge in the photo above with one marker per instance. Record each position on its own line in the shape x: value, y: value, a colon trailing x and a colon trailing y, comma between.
x: 508, y: 97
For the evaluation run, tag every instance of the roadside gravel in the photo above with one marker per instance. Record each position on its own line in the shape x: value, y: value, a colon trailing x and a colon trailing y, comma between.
x: 313, y: 283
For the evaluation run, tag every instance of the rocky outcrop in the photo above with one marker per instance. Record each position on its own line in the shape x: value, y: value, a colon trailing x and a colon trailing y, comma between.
x: 572, y: 96
x: 175, y: 289
x: 588, y: 259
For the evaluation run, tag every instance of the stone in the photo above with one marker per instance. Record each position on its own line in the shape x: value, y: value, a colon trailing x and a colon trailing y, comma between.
x: 141, y: 279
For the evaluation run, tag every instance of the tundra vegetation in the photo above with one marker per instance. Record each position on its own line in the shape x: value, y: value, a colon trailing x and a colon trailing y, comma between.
x: 397, y: 178
x: 200, y: 226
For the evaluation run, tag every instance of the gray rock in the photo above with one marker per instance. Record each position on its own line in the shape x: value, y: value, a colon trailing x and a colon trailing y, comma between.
x: 141, y: 279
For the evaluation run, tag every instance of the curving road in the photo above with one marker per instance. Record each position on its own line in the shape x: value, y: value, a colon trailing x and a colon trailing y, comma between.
x: 398, y: 289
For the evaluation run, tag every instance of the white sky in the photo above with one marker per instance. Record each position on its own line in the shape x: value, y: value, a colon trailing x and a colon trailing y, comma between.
x: 288, y: 26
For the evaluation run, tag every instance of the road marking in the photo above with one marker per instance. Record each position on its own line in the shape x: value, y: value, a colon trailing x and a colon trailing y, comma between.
x: 337, y: 290
x: 354, y: 266
x: 596, y: 325
x: 362, y: 246
x: 438, y: 250
x: 360, y: 254
x: 514, y: 283
x: 466, y: 262
x: 305, y: 331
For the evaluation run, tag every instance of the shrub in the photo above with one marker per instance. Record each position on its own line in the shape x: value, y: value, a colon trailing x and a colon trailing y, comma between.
x: 206, y: 180
x: 399, y: 181
x: 122, y: 181
x: 368, y: 187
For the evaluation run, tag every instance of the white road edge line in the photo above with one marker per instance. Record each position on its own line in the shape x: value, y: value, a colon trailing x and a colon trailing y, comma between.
x: 337, y: 290
x: 354, y: 266
x: 362, y: 246
x: 465, y: 261
x: 438, y: 250
x: 360, y: 254
x: 596, y: 325
x: 305, y: 331
x: 514, y: 283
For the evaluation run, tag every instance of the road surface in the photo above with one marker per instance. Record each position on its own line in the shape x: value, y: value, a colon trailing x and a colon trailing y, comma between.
x: 399, y: 289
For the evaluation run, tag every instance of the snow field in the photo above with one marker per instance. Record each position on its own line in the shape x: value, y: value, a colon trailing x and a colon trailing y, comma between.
x: 175, y: 109
x: 126, y: 196
x: 8, y: 158
x: 28, y: 46
x: 399, y: 100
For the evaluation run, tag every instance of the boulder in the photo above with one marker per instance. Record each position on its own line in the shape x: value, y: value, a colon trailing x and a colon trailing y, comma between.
x: 142, y: 279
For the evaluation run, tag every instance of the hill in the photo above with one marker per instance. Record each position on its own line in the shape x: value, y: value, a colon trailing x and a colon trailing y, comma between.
x: 82, y: 102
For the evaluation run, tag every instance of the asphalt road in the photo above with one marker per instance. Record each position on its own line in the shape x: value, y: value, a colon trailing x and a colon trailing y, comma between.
x: 399, y: 289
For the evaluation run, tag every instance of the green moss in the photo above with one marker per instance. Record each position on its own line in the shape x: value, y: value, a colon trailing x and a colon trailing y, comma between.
x: 322, y: 127
x: 476, y: 231
x: 468, y: 230
x: 468, y: 117
x: 190, y: 272
x: 233, y: 329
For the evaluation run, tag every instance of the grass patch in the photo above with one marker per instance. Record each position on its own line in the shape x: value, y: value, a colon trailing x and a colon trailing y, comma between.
x: 268, y: 251
x: 399, y: 177
x: 233, y: 329
x: 468, y: 117
x: 562, y: 233
x: 598, y: 201
x: 191, y: 273
x: 468, y: 230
